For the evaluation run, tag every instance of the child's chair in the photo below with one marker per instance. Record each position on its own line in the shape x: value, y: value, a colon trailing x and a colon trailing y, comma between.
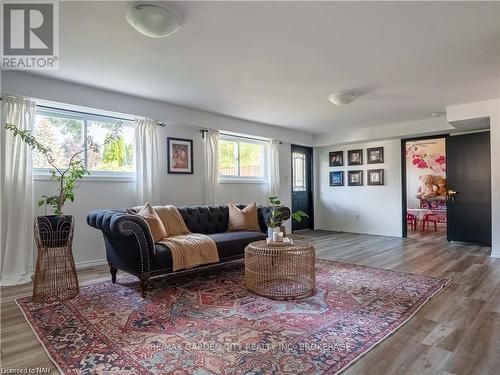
x: 430, y: 218
x: 412, y: 220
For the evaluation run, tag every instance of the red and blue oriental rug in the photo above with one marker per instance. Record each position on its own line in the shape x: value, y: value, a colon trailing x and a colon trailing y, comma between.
x: 206, y: 322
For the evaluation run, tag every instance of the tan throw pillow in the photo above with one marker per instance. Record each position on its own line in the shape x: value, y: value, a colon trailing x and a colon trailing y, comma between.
x: 245, y: 219
x: 156, y: 227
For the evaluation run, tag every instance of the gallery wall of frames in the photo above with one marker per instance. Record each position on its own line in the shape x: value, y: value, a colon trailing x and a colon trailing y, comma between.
x: 347, y: 170
x: 357, y: 185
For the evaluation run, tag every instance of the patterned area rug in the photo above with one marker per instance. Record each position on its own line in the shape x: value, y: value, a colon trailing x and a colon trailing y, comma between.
x: 206, y: 322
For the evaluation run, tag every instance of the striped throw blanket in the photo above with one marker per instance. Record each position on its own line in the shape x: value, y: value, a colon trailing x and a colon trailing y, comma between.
x: 188, y: 249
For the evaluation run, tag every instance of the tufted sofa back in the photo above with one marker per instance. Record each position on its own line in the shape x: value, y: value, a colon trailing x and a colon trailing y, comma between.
x: 214, y: 219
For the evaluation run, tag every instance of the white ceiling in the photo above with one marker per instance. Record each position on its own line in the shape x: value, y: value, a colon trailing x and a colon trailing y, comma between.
x: 277, y: 62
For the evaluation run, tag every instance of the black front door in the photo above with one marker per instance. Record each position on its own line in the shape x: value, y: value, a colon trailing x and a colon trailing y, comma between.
x: 469, y: 174
x: 302, y: 186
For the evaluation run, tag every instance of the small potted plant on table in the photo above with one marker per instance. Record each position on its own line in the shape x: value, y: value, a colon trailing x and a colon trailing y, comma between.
x: 279, y: 215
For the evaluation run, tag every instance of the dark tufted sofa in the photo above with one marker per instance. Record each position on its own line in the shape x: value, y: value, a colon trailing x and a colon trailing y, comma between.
x: 130, y: 247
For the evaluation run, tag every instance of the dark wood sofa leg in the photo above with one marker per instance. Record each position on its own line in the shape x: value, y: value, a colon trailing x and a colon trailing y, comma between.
x: 144, y: 286
x: 113, y: 272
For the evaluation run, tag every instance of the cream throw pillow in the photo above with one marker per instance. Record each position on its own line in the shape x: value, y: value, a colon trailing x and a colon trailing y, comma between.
x: 245, y: 219
x: 156, y: 227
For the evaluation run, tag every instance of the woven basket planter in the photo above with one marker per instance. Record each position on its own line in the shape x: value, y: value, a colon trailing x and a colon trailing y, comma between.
x: 55, y: 272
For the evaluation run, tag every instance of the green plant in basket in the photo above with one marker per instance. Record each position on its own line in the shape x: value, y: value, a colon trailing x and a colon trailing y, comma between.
x: 66, y: 177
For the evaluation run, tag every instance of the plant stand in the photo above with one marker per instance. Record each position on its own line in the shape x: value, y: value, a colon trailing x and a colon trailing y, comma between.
x: 55, y: 273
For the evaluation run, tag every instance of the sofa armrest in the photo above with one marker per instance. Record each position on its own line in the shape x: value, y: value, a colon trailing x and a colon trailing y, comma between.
x: 116, y: 223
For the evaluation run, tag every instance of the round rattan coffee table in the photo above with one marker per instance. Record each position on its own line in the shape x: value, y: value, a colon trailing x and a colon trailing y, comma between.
x: 280, y: 272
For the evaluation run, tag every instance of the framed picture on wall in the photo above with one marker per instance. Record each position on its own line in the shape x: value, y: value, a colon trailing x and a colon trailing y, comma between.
x: 375, y: 177
x: 355, y: 178
x: 355, y: 157
x: 336, y: 158
x: 375, y: 155
x: 337, y: 178
x: 180, y: 155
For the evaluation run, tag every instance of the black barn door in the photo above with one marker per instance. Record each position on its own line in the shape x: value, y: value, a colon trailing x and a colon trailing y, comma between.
x: 302, y: 185
x: 469, y: 175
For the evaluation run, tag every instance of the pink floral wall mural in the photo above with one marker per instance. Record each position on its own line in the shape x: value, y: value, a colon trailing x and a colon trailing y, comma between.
x: 420, y: 158
x: 423, y: 157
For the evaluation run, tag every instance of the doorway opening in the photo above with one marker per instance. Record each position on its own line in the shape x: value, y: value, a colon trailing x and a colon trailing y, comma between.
x: 302, y: 197
x: 424, y: 187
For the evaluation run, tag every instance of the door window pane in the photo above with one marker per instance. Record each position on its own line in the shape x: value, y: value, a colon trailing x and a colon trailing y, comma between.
x: 299, y: 171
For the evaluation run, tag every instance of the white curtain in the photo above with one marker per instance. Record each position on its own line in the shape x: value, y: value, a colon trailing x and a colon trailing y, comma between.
x: 274, y: 168
x: 147, y: 161
x: 16, y: 191
x: 211, y: 166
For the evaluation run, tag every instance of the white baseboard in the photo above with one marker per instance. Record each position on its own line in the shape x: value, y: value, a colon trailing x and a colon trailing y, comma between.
x: 90, y: 263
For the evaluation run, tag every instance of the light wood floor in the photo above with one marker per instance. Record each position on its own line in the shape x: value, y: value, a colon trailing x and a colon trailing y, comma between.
x: 457, y: 332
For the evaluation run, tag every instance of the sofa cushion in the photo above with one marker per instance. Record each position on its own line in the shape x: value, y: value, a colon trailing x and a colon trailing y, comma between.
x: 243, y: 219
x: 229, y: 244
x: 205, y: 219
x: 214, y: 219
x: 155, y: 224
x: 232, y: 244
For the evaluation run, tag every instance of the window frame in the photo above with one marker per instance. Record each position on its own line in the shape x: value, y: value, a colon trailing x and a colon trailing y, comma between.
x: 246, y: 179
x: 44, y: 173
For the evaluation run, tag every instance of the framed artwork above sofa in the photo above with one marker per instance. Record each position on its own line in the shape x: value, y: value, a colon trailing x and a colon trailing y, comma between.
x: 180, y: 155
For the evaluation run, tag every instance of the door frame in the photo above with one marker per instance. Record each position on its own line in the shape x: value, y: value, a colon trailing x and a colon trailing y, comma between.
x: 404, y: 203
x: 310, y: 179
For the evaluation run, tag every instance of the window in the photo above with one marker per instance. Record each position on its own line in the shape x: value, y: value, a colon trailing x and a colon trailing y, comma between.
x: 299, y: 171
x: 241, y: 158
x: 66, y: 131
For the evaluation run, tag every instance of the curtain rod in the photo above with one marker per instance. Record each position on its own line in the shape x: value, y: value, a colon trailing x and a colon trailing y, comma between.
x: 203, y: 131
x: 160, y: 123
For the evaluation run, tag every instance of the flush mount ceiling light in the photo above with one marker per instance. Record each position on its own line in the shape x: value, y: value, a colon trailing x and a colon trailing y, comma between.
x: 438, y: 114
x: 343, y: 98
x: 153, y: 20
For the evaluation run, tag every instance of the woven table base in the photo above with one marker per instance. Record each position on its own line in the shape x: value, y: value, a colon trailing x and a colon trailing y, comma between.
x: 285, y: 272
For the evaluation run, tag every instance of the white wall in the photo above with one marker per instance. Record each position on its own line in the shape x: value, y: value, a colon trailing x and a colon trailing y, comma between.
x: 175, y: 189
x: 179, y: 189
x: 360, y: 209
x: 39, y: 87
x: 478, y: 110
x: 88, y: 245
x: 429, y: 126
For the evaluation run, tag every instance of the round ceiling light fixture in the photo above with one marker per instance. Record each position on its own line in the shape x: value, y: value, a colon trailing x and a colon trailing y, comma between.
x: 153, y: 20
x: 343, y: 98
x: 438, y: 114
